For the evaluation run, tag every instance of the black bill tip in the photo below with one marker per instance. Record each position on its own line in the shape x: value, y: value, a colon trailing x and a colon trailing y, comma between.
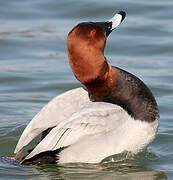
x: 123, y: 14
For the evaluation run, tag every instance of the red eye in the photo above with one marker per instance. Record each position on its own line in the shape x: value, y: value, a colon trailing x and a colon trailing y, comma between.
x: 92, y: 32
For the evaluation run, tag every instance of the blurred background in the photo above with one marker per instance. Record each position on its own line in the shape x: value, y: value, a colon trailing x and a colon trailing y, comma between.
x: 34, y: 68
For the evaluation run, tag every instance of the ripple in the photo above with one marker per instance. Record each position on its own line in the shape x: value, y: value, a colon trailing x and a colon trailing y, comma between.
x: 34, y: 68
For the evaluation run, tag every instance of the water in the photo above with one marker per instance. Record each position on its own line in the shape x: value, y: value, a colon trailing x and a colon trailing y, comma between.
x: 34, y: 69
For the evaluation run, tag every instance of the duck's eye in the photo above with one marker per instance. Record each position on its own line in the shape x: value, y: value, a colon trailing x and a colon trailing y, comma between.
x: 92, y: 33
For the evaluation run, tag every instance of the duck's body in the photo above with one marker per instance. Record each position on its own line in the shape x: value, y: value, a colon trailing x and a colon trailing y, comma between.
x: 92, y: 130
x: 117, y: 113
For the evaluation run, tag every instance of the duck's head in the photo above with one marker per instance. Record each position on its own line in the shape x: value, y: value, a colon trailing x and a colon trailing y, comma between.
x: 85, y: 47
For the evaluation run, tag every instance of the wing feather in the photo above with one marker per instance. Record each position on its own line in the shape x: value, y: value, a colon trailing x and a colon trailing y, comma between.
x: 93, y: 119
x: 51, y: 114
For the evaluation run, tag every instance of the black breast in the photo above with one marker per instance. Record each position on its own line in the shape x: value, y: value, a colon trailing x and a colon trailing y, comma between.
x: 133, y: 96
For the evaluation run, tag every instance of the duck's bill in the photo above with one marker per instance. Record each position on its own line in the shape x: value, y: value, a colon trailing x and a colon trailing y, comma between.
x: 112, y: 23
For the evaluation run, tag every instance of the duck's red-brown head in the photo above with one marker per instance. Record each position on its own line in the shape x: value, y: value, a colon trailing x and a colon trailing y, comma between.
x: 85, y: 47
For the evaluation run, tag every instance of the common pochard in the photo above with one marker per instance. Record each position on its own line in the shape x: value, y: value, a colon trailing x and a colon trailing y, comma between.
x: 116, y: 111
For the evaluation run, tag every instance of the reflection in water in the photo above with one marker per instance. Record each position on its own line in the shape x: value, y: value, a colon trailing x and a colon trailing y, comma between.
x: 90, y: 171
x: 121, y: 166
x: 133, y: 167
x: 34, y: 69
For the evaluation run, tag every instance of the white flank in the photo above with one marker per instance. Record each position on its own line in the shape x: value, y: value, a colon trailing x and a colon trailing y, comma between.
x: 91, y: 131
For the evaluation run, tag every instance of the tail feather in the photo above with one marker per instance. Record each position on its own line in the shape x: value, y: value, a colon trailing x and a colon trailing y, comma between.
x: 48, y: 157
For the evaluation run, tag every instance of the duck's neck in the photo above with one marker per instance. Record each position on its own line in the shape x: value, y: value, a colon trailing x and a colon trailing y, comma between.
x: 102, y: 87
x: 88, y: 64
x: 90, y: 67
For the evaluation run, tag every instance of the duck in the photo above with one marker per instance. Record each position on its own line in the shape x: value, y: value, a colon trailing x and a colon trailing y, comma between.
x: 111, y: 113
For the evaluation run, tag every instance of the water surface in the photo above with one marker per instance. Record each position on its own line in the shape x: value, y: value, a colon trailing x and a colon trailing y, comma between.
x: 34, y: 68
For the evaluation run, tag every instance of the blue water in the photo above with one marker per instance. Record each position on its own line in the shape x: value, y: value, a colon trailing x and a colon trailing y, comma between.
x: 34, y: 68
